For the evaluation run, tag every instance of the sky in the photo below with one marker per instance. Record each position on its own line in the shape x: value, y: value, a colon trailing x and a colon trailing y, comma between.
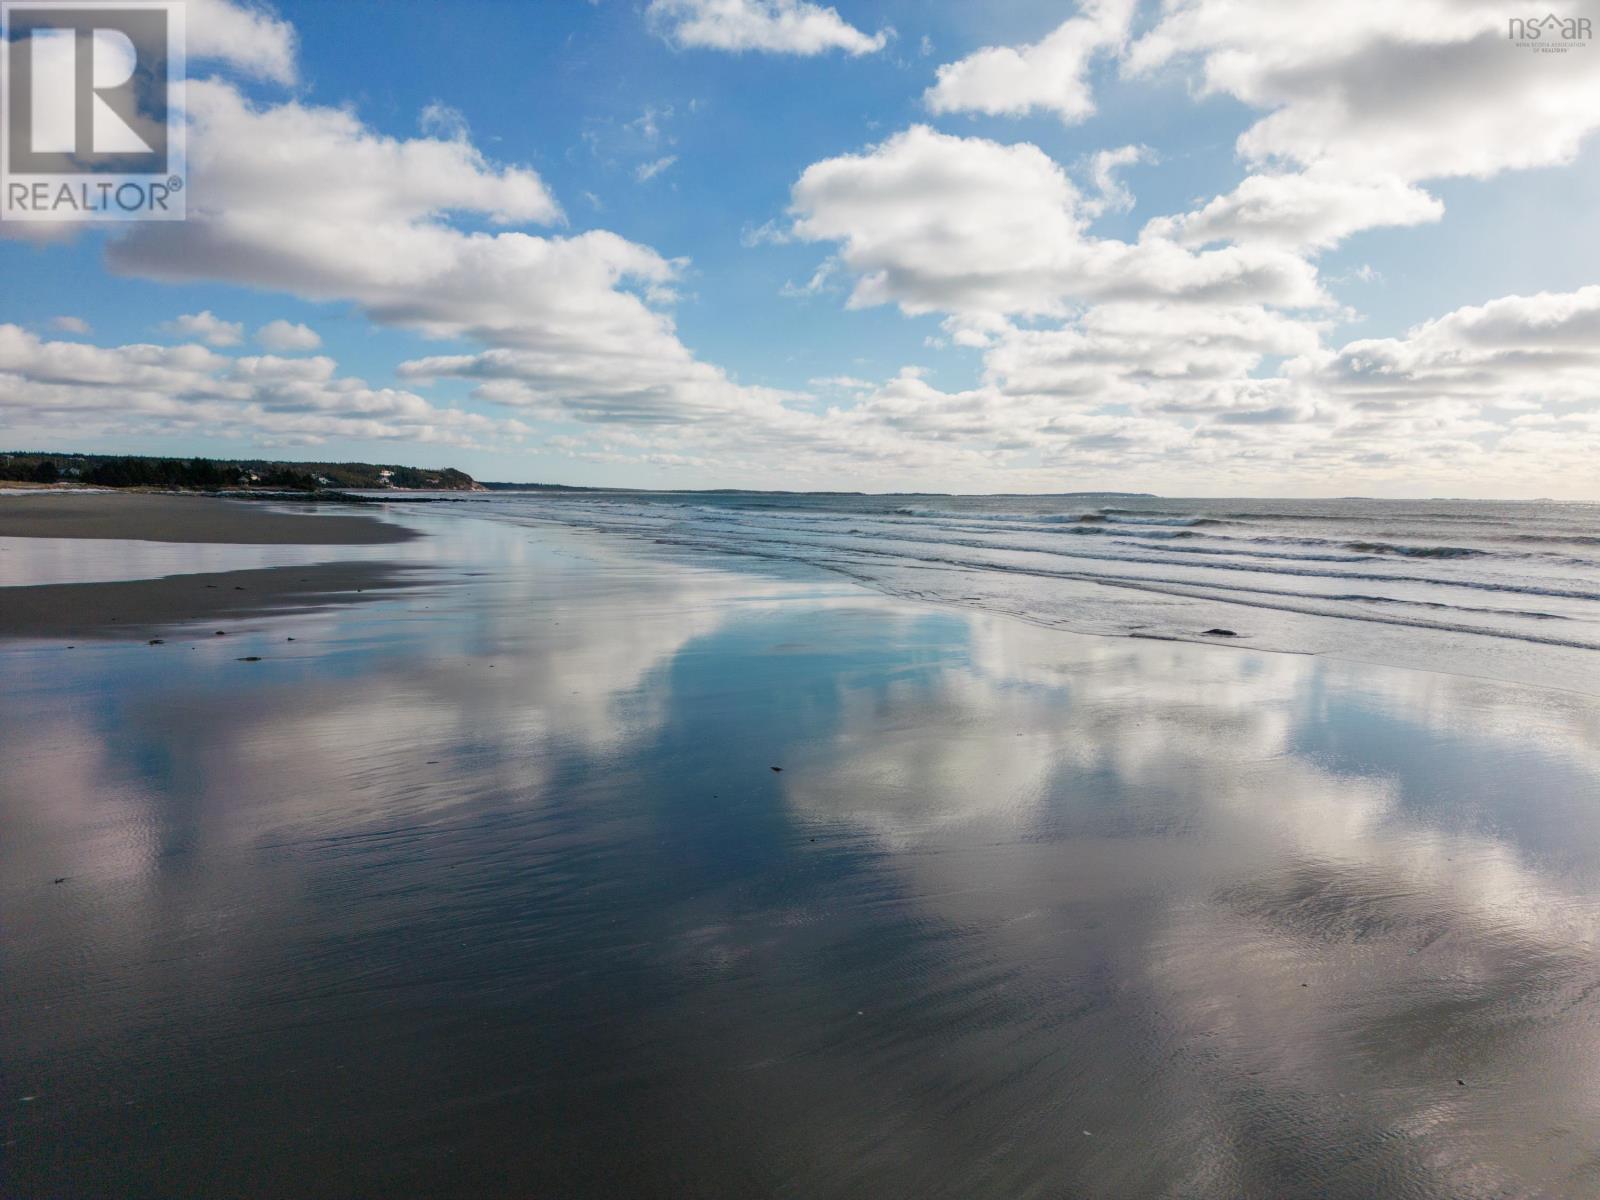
x: 1197, y: 247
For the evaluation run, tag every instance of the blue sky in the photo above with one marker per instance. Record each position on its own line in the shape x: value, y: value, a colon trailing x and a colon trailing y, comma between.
x: 1393, y: 290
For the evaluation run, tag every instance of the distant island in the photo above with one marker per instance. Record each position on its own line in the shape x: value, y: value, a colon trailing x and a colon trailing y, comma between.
x: 225, y: 474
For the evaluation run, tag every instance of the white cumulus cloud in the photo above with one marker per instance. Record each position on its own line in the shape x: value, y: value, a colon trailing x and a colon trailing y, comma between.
x: 207, y: 326
x: 773, y: 26
x: 247, y: 37
x: 1113, y: 194
x: 938, y: 223
x: 1310, y: 210
x: 190, y: 389
x: 1424, y: 90
x: 287, y: 337
x: 1051, y: 74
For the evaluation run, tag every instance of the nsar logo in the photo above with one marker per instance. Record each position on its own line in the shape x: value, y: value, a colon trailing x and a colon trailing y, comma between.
x: 1551, y: 34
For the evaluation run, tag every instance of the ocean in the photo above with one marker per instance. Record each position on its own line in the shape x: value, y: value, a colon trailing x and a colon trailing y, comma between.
x: 1508, y: 590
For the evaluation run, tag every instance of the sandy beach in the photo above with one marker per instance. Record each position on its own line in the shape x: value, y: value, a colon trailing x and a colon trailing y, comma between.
x: 606, y: 869
x: 143, y: 608
x: 159, y: 518
x: 799, y: 600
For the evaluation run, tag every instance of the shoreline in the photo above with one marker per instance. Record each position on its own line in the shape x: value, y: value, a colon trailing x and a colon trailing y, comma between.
x: 168, y: 517
x: 128, y: 609
x: 137, y: 608
x: 1476, y: 589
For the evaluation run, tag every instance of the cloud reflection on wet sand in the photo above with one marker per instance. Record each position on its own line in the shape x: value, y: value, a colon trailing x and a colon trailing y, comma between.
x: 494, y: 890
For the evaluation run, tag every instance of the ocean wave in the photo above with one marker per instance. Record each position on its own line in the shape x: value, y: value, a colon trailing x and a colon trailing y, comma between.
x: 1304, y: 603
x: 1357, y: 518
x: 1286, y: 569
x: 1277, y: 555
x: 880, y: 546
x: 1561, y: 539
x: 884, y: 543
x: 1491, y: 571
x: 1416, y: 551
x: 945, y: 514
x: 1122, y: 517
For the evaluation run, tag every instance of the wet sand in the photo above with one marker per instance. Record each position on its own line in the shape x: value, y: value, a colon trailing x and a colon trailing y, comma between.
x: 162, y: 518
x: 141, y: 608
x: 501, y: 896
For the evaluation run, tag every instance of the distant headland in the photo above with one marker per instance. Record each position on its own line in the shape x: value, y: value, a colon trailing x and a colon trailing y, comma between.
x: 225, y: 474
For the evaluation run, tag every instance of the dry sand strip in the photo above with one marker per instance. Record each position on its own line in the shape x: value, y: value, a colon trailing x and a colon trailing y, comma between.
x: 145, y: 608
x: 160, y: 518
